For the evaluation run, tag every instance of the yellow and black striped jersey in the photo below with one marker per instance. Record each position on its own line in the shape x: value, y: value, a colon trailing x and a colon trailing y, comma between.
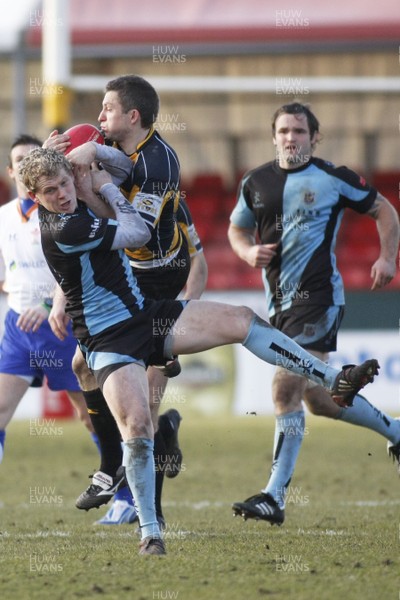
x: 150, y: 179
x: 153, y: 188
x: 185, y: 222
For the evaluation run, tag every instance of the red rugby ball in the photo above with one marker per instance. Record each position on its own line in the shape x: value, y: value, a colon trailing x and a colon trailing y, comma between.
x: 79, y: 134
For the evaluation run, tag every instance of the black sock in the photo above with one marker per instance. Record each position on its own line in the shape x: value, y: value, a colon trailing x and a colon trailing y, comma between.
x: 107, y: 431
x: 159, y: 461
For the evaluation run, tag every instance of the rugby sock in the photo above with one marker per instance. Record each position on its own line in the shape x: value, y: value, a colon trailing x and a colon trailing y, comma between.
x: 124, y: 493
x: 139, y: 468
x: 160, y: 457
x: 276, y: 348
x: 109, y: 437
x: 2, y: 440
x: 366, y: 415
x: 159, y: 462
x: 95, y: 439
x: 289, y: 433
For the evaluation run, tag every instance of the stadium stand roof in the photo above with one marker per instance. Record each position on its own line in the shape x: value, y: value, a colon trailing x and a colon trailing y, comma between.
x: 223, y: 23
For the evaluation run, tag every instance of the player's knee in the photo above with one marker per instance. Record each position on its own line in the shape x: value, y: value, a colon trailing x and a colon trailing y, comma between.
x: 82, y: 373
x: 244, y: 316
x: 77, y: 366
x: 139, y: 428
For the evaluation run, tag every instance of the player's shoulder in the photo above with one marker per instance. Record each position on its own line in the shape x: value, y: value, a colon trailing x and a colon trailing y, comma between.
x: 157, y: 141
x: 259, y: 172
x: 341, y: 172
x: 324, y: 165
x: 331, y: 168
x: 157, y: 160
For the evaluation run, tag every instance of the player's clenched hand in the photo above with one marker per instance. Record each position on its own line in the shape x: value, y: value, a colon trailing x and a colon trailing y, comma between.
x: 57, y: 141
x: 84, y: 155
x: 32, y: 318
x: 260, y: 255
x: 382, y: 273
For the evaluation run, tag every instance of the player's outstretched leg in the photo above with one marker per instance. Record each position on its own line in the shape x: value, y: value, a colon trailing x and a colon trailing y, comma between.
x: 274, y: 347
x: 204, y: 325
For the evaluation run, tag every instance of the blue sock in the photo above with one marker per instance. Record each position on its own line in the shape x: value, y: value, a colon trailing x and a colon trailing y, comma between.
x: 2, y: 440
x: 95, y: 439
x: 276, y: 348
x: 289, y: 433
x: 124, y: 494
x: 139, y: 467
x: 366, y: 415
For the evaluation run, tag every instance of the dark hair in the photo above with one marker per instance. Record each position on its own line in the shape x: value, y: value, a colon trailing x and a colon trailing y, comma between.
x: 135, y: 92
x: 23, y: 140
x: 296, y: 108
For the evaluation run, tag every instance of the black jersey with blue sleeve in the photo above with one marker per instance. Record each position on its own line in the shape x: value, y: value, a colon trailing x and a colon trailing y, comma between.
x: 76, y: 246
x: 300, y: 210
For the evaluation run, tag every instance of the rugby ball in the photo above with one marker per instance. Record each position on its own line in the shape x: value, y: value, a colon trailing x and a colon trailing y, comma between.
x: 79, y: 134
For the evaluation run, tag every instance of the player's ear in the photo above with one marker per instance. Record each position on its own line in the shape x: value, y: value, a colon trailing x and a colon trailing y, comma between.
x: 135, y: 116
x: 315, y: 139
x: 33, y: 197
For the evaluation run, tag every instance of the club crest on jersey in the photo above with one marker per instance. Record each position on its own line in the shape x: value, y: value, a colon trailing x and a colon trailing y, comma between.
x: 309, y: 330
x: 309, y: 197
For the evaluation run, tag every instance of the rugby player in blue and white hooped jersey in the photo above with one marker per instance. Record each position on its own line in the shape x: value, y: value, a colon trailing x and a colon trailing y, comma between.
x: 295, y: 204
x: 29, y: 350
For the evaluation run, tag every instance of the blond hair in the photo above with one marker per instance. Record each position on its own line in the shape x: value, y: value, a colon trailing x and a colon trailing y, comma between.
x: 42, y: 162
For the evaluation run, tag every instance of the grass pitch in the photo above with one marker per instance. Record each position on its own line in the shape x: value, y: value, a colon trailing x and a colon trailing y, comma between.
x: 340, y: 538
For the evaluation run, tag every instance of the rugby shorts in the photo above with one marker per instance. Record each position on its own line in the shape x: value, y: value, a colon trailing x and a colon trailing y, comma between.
x: 39, y: 354
x: 139, y: 339
x: 312, y: 327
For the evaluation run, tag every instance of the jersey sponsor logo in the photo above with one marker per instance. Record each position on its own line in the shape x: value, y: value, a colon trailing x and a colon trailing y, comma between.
x: 147, y: 204
x: 27, y: 264
x: 94, y: 227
